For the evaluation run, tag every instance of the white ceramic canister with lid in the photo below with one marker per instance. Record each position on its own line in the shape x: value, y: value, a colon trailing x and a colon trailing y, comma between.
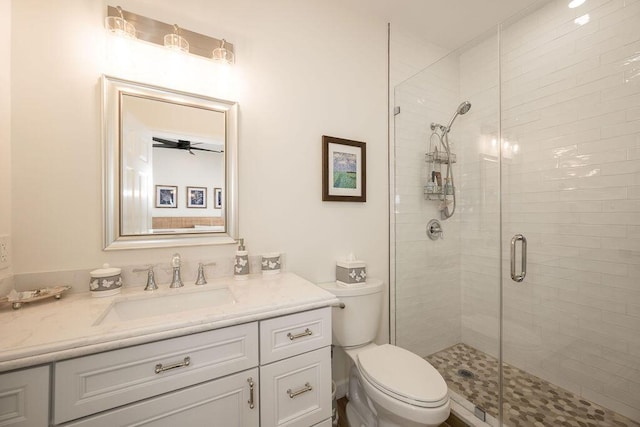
x: 105, y: 281
x: 271, y: 263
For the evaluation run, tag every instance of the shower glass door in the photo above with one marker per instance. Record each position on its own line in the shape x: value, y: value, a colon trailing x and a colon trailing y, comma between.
x: 548, y: 154
x: 447, y: 291
x: 570, y: 124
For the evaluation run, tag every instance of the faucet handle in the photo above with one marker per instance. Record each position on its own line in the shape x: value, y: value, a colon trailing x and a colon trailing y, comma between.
x: 201, y: 280
x: 151, y: 280
x: 176, y: 281
x: 175, y: 260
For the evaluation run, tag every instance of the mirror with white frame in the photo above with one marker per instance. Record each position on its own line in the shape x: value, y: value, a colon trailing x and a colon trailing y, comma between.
x: 170, y: 167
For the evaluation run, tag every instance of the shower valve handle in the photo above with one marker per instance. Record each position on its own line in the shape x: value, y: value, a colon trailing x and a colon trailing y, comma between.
x: 434, y: 230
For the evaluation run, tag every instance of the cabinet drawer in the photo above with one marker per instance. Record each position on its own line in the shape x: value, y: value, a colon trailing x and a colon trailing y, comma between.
x: 325, y: 423
x: 297, y: 333
x: 24, y: 397
x: 296, y: 392
x: 222, y: 402
x: 95, y: 383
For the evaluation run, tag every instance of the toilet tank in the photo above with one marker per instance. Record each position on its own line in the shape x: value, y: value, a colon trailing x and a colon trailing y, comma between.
x: 357, y: 323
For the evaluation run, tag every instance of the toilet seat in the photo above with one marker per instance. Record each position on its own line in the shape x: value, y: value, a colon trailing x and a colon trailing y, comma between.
x: 403, y: 375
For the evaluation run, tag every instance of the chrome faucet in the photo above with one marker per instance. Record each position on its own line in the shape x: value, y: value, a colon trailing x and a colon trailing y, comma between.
x: 176, y: 281
x: 151, y: 281
x: 201, y: 280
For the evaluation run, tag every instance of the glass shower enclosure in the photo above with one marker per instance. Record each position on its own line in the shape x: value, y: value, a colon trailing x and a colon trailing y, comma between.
x: 528, y: 300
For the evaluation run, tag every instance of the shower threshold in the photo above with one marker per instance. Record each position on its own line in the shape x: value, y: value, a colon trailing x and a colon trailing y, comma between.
x: 472, y: 377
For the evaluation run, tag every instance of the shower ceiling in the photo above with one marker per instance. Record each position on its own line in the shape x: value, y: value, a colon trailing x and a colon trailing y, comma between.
x: 445, y: 23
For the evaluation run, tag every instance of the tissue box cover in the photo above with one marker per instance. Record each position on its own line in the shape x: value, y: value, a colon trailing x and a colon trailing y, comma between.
x: 350, y: 273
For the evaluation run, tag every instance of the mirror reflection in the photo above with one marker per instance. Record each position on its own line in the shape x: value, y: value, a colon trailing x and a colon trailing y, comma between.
x: 173, y: 167
x: 170, y: 167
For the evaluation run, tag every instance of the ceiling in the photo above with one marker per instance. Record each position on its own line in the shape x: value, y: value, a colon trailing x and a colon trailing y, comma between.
x: 446, y: 23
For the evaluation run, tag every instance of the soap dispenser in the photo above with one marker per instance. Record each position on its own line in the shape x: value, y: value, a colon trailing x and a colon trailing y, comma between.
x: 241, y: 264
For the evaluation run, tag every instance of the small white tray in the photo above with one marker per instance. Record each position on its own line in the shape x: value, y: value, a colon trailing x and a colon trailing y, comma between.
x: 18, y: 298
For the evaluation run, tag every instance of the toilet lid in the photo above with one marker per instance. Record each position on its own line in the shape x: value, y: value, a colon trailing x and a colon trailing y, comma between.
x: 403, y: 375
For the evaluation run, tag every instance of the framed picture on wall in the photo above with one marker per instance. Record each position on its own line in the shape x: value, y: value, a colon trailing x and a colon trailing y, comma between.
x: 217, y: 198
x: 166, y: 196
x: 196, y: 197
x: 344, y: 170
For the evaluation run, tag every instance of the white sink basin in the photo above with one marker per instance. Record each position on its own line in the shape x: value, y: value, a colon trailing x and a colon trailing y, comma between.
x: 140, y: 308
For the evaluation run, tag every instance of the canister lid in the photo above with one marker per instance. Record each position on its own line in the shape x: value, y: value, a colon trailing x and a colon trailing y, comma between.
x: 106, y: 271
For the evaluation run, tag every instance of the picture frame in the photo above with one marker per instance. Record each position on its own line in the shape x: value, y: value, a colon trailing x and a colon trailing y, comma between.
x: 344, y: 170
x: 197, y: 197
x: 166, y: 196
x: 217, y: 198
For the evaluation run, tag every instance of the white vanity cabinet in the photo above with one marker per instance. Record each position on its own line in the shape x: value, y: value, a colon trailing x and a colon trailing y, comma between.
x: 24, y: 398
x: 269, y: 372
x: 295, y: 369
x: 291, y: 387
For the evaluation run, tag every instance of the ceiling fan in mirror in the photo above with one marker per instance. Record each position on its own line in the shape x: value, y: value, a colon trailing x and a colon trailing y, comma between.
x: 183, y: 144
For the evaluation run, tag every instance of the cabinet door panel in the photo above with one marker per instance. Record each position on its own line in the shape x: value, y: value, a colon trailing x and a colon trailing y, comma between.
x: 296, y: 392
x: 24, y: 398
x: 223, y: 402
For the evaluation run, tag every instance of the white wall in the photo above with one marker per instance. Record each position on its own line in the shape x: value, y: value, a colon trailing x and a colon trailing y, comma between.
x: 5, y: 131
x: 294, y: 86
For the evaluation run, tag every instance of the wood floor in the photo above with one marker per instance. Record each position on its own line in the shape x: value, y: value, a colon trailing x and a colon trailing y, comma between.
x: 453, y: 421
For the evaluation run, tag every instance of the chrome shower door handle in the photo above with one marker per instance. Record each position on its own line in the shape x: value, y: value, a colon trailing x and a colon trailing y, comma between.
x: 518, y: 277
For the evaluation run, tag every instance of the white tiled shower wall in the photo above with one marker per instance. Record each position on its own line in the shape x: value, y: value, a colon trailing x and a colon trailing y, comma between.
x: 427, y: 279
x: 571, y: 184
x: 408, y: 56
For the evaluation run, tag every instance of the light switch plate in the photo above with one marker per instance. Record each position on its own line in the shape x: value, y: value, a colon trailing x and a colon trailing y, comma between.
x: 5, y: 260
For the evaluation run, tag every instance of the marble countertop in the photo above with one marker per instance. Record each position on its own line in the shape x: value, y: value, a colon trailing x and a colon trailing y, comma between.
x: 50, y: 330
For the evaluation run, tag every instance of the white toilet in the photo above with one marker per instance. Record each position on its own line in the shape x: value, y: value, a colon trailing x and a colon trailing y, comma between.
x: 388, y: 386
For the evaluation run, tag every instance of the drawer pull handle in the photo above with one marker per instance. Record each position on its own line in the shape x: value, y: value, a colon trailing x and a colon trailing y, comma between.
x: 159, y: 368
x: 306, y: 332
x: 307, y: 387
x: 251, y: 385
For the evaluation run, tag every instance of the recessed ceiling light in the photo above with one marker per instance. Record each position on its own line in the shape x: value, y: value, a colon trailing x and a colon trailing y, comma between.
x: 575, y: 3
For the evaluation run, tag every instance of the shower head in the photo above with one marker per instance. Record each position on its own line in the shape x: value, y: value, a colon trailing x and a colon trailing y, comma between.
x: 462, y: 109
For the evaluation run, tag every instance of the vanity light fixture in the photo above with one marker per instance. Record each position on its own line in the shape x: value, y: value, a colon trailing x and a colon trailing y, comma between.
x: 169, y: 35
x: 118, y: 25
x: 222, y: 54
x: 175, y: 41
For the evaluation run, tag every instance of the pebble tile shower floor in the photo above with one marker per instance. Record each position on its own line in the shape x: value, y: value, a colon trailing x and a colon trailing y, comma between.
x: 528, y: 400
